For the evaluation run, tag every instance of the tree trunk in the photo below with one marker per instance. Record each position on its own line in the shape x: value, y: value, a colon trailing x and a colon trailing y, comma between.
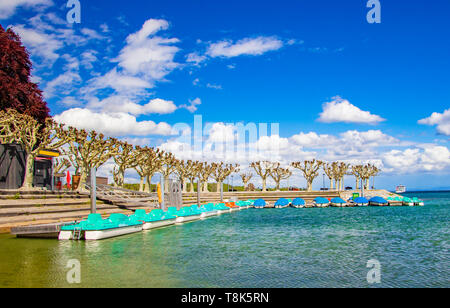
x: 264, y: 188
x: 148, y: 187
x: 205, y: 187
x: 191, y: 189
x: 357, y: 183
x: 245, y: 186
x: 309, y: 186
x: 29, y: 171
x: 83, y: 177
x: 141, y: 184
x: 331, y: 184
x: 184, y: 185
x: 218, y: 184
x: 277, y: 186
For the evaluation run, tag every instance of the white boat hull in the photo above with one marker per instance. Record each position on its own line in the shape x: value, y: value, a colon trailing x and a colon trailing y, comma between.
x: 158, y: 224
x: 65, y: 235
x: 183, y: 219
x: 208, y: 214
x: 100, y: 234
x: 104, y: 234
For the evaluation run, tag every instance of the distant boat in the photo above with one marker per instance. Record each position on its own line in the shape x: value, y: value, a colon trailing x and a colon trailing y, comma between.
x: 400, y: 189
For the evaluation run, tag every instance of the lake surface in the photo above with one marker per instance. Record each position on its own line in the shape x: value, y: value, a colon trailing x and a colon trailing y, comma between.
x: 253, y: 248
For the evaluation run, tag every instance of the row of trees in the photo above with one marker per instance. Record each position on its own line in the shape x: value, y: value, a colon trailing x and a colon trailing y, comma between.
x: 85, y: 150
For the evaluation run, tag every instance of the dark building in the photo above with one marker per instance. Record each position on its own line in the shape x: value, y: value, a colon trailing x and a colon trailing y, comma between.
x: 13, y: 164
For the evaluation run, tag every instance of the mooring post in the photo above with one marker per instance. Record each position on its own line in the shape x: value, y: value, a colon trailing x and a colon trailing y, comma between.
x: 198, y: 192
x: 93, y: 191
x: 163, y: 206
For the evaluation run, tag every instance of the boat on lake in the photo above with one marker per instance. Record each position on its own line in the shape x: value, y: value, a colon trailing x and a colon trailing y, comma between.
x: 298, y: 203
x: 282, y: 203
x: 96, y: 228
x: 155, y: 219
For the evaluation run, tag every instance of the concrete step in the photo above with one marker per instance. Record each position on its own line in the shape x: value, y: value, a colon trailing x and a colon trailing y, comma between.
x: 25, y: 203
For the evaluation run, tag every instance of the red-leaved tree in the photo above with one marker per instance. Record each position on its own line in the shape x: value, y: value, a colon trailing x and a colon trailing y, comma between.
x: 16, y: 89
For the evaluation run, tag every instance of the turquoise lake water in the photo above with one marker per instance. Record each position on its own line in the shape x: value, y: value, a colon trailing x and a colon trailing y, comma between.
x: 289, y: 247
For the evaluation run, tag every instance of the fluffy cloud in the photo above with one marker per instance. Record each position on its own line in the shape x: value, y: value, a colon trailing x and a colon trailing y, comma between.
x: 341, y: 110
x: 192, y: 107
x: 40, y: 44
x: 122, y: 104
x: 425, y: 158
x: 149, y: 55
x: 247, y: 46
x: 9, y: 7
x: 441, y: 120
x: 112, y: 124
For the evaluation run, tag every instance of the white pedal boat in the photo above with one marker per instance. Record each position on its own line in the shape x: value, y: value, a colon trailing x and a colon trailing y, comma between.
x: 94, y: 235
x: 158, y: 224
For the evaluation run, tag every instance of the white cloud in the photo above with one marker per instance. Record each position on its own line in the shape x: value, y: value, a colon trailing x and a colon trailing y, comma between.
x: 118, y: 104
x: 149, y: 55
x: 119, y: 82
x: 114, y: 124
x: 441, y: 120
x: 426, y: 158
x: 195, y: 58
x: 9, y: 7
x: 39, y: 43
x: 341, y: 110
x: 88, y: 58
x: 214, y: 86
x: 192, y: 107
x: 63, y: 84
x: 247, y: 46
x: 92, y: 34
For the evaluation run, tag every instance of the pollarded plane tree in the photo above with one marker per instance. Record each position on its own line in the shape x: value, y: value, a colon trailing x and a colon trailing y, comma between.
x: 364, y: 172
x: 149, y: 161
x: 374, y: 171
x: 184, y: 171
x: 221, y: 171
x: 278, y: 174
x: 7, y: 134
x: 263, y: 169
x: 90, y: 150
x: 61, y: 165
x: 355, y: 171
x: 34, y: 137
x: 195, y: 169
x: 339, y: 171
x: 126, y: 159
x: 310, y: 170
x: 328, y: 169
x: 246, y: 177
x: 205, y: 173
x: 168, y: 166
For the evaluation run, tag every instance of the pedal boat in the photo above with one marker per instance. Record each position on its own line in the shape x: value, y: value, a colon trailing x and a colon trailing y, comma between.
x: 155, y: 219
x: 338, y: 202
x: 187, y: 214
x: 95, y: 228
x: 281, y: 203
x: 298, y: 203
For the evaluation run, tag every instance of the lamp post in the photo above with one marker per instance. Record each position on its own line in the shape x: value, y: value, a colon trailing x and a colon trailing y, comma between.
x: 93, y: 191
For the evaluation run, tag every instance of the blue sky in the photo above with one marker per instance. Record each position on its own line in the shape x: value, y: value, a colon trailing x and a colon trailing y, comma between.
x: 339, y: 87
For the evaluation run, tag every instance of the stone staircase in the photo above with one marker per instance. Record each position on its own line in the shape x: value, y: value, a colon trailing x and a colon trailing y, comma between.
x: 21, y: 208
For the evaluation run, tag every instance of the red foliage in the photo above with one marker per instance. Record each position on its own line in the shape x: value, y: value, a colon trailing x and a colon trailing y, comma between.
x: 16, y: 89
